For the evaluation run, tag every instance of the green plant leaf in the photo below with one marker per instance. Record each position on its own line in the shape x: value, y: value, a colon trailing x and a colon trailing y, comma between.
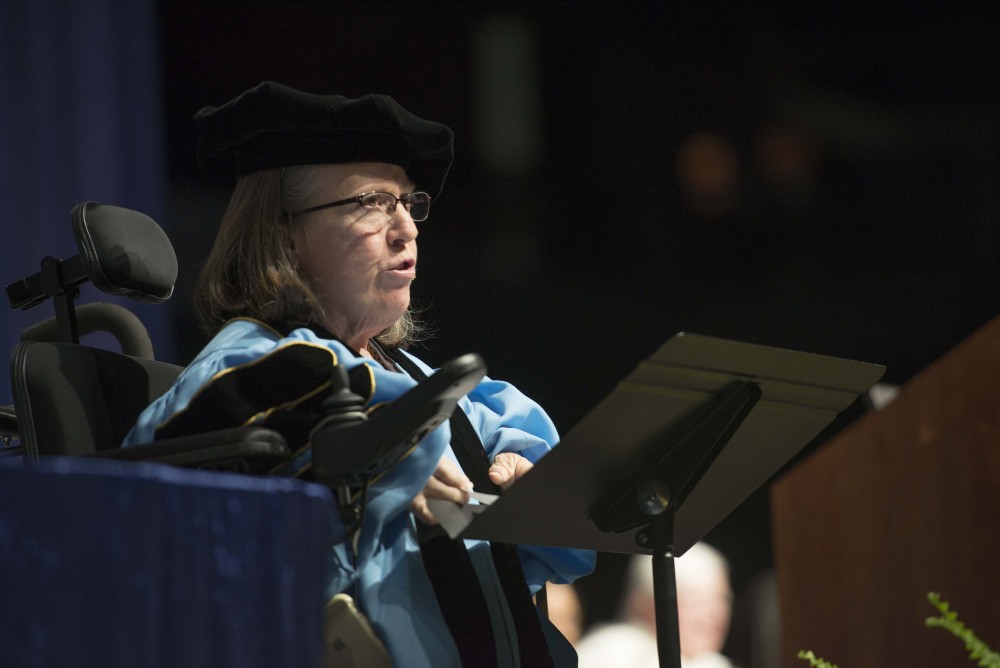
x: 949, y: 621
x: 814, y: 660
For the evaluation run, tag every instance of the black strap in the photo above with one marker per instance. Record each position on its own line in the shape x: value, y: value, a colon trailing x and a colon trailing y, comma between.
x: 465, y: 440
x: 471, y: 455
x: 462, y: 603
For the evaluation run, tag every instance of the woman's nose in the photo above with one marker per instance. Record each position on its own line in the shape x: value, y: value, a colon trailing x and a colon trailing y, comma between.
x: 403, y: 228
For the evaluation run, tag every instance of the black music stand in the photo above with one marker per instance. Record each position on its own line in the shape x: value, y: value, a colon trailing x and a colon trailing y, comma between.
x: 679, y: 444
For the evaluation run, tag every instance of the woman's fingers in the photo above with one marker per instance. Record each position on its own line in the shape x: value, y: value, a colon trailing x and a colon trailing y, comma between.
x: 449, y: 475
x: 447, y: 483
x: 439, y: 489
x: 419, y: 508
x: 507, y: 468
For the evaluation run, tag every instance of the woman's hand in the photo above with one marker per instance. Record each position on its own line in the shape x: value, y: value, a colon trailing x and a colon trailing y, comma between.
x: 507, y: 468
x: 451, y: 484
x: 448, y: 483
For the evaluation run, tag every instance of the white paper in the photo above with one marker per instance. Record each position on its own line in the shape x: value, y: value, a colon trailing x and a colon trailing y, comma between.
x: 453, y: 518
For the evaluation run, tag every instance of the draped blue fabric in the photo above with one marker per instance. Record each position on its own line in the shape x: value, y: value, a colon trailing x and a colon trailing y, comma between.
x: 81, y: 118
x: 123, y: 564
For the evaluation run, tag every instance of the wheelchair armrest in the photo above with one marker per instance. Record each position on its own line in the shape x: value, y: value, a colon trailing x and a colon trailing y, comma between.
x: 346, y: 450
x: 243, y: 449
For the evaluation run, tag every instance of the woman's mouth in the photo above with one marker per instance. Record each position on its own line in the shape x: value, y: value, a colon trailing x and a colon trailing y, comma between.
x: 405, y: 269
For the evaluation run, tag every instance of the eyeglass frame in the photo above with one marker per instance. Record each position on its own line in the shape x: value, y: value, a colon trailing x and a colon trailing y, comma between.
x: 405, y: 199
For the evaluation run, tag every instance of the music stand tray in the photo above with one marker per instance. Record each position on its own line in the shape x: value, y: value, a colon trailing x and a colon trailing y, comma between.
x: 670, y: 452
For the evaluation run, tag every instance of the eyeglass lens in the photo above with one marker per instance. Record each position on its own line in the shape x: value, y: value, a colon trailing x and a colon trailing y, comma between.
x: 418, y: 203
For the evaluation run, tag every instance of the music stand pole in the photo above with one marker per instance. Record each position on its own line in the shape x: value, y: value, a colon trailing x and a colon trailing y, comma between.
x: 678, y: 467
x: 668, y: 639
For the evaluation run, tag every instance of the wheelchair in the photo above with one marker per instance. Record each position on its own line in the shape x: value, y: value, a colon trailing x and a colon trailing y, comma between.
x: 71, y: 399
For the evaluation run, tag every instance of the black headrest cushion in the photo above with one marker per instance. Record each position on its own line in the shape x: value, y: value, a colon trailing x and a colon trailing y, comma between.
x: 125, y: 252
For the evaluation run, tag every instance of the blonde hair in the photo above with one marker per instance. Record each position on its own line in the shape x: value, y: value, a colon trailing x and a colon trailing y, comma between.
x: 252, y: 271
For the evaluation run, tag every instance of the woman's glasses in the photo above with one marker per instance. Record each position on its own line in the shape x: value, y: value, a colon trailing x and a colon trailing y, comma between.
x: 418, y: 204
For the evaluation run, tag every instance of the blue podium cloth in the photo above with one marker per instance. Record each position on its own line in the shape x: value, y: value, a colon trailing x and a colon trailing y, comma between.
x: 106, y: 563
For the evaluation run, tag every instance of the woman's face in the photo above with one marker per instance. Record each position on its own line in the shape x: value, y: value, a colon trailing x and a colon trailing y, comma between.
x: 359, y: 262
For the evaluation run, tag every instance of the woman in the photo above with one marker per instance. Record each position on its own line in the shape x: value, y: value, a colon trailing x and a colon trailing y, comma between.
x: 311, y: 268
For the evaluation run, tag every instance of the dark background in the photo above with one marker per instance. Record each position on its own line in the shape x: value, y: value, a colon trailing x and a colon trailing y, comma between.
x: 819, y: 176
x: 853, y: 213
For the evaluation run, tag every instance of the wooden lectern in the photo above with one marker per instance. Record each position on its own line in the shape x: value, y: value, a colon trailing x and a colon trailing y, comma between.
x: 903, y: 502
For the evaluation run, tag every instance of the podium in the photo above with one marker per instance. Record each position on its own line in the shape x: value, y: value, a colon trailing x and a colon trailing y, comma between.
x: 115, y: 564
x: 903, y: 502
x: 681, y: 441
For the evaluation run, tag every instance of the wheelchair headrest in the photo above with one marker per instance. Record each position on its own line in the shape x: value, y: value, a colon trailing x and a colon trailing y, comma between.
x: 125, y: 252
